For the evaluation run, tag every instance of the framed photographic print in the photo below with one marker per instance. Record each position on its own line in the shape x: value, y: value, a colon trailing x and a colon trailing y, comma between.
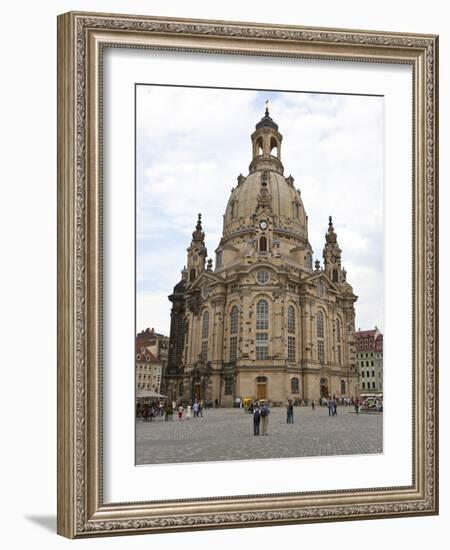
x: 247, y: 284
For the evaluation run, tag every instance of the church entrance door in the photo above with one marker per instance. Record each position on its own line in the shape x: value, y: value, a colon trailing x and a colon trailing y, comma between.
x: 197, y: 391
x: 261, y: 387
x: 261, y: 391
x: 324, y: 388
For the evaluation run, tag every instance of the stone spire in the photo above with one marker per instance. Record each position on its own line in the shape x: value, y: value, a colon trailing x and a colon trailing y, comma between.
x: 332, y: 254
x: 197, y: 252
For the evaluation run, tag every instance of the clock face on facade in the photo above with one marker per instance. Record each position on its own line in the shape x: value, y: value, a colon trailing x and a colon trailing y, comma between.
x: 263, y: 225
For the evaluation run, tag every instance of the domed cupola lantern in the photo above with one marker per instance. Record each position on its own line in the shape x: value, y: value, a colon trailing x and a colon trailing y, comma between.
x: 266, y: 141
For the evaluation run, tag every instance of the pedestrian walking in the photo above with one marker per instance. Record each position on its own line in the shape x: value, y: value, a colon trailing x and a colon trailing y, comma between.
x: 188, y: 412
x: 356, y: 406
x: 180, y: 412
x: 256, y: 419
x: 334, y: 406
x: 195, y: 409
x: 313, y: 407
x: 265, y: 419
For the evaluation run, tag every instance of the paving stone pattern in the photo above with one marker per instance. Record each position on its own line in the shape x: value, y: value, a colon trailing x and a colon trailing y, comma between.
x: 227, y: 434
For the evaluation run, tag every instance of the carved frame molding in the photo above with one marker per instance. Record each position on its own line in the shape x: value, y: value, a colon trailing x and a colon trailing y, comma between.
x: 81, y: 37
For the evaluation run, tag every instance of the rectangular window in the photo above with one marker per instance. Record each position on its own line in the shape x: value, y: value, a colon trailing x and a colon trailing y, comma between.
x: 371, y: 363
x: 373, y: 385
x: 373, y: 374
x: 291, y: 348
x: 339, y: 355
x: 228, y: 386
x: 262, y: 342
x: 363, y: 385
x: 320, y: 351
x: 205, y: 350
x: 233, y: 348
x: 362, y: 374
x: 262, y: 323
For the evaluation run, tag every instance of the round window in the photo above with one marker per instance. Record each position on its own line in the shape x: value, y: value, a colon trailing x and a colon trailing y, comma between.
x: 262, y: 276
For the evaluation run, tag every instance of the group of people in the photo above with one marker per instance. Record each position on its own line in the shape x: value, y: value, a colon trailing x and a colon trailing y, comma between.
x: 260, y: 418
x: 148, y: 411
x: 192, y: 410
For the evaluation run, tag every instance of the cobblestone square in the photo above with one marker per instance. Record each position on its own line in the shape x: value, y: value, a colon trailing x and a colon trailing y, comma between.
x: 227, y: 434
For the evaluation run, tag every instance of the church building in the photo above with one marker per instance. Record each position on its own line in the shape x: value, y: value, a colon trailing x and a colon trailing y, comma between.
x: 265, y: 323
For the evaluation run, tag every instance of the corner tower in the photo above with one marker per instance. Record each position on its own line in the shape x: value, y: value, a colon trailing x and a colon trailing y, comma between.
x: 197, y: 252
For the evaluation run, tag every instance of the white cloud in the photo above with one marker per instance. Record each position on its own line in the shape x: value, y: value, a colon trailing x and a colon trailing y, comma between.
x: 192, y: 144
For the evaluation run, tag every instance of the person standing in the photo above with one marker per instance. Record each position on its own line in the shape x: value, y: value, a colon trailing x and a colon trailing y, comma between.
x: 290, y: 412
x: 330, y: 407
x: 180, y: 412
x: 313, y: 407
x: 188, y: 412
x: 256, y: 419
x: 265, y: 419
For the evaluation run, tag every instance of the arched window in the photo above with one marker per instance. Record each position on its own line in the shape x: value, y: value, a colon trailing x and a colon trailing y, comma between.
x: 259, y: 147
x: 291, y: 319
x: 205, y: 334
x: 233, y: 209
x: 320, y: 331
x: 263, y: 244
x: 274, y: 147
x: 192, y: 274
x: 205, y: 325
x: 262, y: 315
x: 320, y: 337
x: 262, y: 324
x: 291, y: 348
x: 296, y: 210
x: 294, y: 385
x: 234, y: 320
x: 342, y: 387
x: 338, y: 330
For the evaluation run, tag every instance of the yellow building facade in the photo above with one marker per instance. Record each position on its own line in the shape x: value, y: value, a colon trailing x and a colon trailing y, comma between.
x: 265, y: 323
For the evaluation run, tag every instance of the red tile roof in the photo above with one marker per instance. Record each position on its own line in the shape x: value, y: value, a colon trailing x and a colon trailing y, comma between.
x: 369, y: 340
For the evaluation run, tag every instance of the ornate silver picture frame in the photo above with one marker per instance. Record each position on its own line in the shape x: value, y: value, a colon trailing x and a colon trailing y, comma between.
x: 83, y: 510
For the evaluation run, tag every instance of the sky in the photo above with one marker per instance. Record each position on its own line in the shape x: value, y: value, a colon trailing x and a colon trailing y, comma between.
x: 191, y: 145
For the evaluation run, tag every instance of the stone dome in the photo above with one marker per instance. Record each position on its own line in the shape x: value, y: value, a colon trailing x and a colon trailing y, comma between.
x: 286, y: 205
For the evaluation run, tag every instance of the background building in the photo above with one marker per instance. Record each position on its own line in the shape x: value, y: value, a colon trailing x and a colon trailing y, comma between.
x: 148, y: 370
x: 265, y: 323
x: 369, y: 358
x: 151, y: 359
